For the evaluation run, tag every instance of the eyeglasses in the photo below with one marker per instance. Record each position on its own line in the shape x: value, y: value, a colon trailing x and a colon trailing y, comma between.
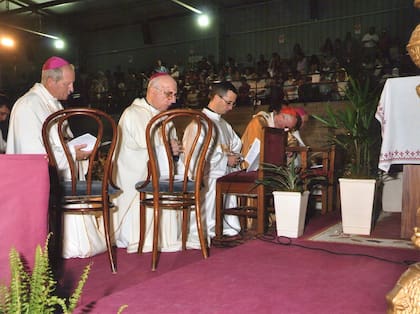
x: 167, y: 94
x: 228, y: 102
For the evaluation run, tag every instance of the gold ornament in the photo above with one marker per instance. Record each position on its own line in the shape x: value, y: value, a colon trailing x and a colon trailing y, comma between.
x: 404, y: 298
x: 413, y: 46
x: 418, y: 90
x: 416, y: 236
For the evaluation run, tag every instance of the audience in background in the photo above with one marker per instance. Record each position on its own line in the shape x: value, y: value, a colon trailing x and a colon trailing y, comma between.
x: 370, y: 42
x: 113, y: 91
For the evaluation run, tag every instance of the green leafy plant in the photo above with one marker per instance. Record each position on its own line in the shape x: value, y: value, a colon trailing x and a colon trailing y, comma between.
x: 34, y: 292
x: 355, y: 129
x: 289, y: 177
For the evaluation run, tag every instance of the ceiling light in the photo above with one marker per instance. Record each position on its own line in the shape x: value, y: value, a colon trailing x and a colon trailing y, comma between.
x: 7, y: 42
x: 59, y: 44
x: 203, y: 20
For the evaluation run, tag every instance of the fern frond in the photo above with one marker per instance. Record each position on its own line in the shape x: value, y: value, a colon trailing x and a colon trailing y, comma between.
x: 53, y: 301
x: 34, y: 293
x: 122, y: 308
x: 19, y: 286
x: 78, y: 291
x: 42, y: 283
x: 4, y: 296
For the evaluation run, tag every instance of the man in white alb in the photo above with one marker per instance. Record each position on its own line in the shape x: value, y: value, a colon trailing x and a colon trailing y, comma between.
x: 81, y: 234
x: 223, y: 159
x: 131, y: 158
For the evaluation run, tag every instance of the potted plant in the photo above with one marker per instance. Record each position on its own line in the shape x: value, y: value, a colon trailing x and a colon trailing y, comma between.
x: 357, y: 132
x: 33, y: 292
x: 289, y: 184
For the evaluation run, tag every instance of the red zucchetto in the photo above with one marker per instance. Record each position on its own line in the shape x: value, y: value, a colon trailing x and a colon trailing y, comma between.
x: 54, y: 63
x: 288, y: 110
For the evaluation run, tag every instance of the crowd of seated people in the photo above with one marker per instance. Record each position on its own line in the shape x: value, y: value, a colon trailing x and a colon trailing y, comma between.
x: 301, y: 78
x: 259, y: 80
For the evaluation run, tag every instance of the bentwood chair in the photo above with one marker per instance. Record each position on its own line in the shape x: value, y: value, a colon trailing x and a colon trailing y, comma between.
x: 254, y: 200
x: 325, y: 166
x: 168, y: 190
x: 89, y: 192
x: 331, y: 160
x: 320, y: 161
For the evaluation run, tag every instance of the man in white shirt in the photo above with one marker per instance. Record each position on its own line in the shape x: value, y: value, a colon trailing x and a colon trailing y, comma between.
x: 370, y: 43
x: 81, y: 236
x: 223, y: 159
x: 131, y: 158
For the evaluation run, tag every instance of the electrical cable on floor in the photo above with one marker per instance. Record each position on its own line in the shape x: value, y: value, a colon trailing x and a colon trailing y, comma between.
x: 289, y: 242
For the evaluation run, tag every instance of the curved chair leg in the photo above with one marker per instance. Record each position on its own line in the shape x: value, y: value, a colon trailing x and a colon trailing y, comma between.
x: 261, y: 212
x: 142, y: 223
x: 219, y: 208
x: 155, y: 235
x: 203, y: 240
x: 105, y: 216
x: 185, y: 220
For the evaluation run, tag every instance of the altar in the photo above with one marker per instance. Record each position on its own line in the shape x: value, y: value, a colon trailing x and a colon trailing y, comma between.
x: 24, y: 197
x: 399, y: 115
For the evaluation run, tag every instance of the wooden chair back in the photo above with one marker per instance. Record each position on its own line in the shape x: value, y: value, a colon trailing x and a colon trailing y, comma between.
x: 82, y: 186
x: 168, y: 189
x: 320, y: 161
x: 254, y: 200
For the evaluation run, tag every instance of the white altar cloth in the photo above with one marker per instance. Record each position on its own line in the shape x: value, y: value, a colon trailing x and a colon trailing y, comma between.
x: 399, y: 115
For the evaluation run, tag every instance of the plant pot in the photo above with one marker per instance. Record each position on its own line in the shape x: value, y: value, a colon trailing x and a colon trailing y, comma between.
x: 357, y: 200
x: 290, y: 208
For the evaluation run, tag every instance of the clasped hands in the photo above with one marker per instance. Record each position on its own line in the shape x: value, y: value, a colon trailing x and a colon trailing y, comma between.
x: 176, y: 147
x: 234, y: 159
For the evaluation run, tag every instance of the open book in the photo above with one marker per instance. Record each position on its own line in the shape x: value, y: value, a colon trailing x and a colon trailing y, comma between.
x: 86, y: 138
x: 253, y: 156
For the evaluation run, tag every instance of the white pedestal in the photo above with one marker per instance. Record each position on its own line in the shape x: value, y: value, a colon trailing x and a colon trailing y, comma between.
x: 392, y: 194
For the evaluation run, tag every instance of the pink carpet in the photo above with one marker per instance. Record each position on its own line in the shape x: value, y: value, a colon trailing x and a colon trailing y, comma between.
x: 256, y: 277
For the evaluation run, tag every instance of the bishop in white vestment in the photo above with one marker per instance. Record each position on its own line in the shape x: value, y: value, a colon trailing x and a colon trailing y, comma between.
x: 130, y: 162
x: 82, y: 234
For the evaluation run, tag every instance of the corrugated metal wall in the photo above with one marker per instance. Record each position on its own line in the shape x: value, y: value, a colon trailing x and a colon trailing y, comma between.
x: 278, y: 25
x: 256, y: 29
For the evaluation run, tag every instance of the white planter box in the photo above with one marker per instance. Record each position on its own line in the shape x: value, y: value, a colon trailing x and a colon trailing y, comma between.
x: 290, y: 210
x: 357, y: 196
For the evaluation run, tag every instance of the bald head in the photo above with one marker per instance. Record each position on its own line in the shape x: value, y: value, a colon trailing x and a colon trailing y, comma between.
x: 161, y: 92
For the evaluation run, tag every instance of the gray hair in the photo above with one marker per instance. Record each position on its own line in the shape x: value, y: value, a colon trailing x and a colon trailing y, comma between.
x: 54, y: 74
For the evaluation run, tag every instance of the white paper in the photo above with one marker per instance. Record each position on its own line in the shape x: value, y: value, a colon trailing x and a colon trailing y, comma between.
x: 296, y: 135
x: 253, y: 156
x: 87, y: 139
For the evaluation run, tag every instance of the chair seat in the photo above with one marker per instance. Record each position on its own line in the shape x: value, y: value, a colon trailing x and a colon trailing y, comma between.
x: 239, y: 176
x: 164, y: 186
x: 81, y: 188
x: 254, y: 200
